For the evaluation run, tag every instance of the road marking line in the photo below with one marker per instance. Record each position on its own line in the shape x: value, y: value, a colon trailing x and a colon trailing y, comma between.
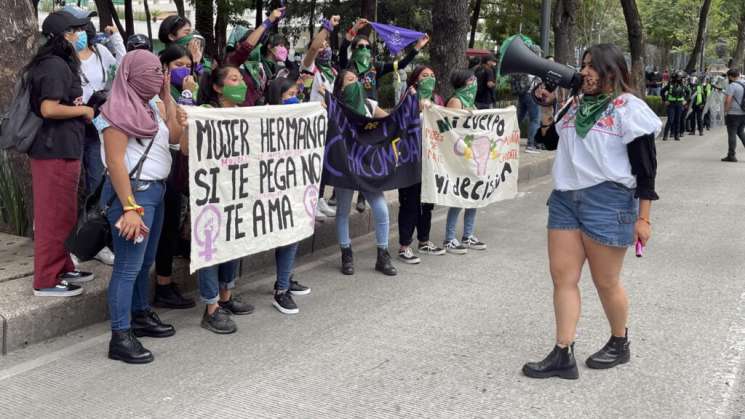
x: 727, y: 376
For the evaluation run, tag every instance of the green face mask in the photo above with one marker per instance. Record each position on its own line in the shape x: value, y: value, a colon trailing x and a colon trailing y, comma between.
x: 235, y: 94
x: 354, y: 96
x: 467, y: 95
x: 426, y: 87
x: 361, y: 59
x: 185, y: 40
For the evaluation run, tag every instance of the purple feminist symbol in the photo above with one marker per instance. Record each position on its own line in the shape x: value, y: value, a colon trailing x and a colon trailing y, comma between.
x: 311, y: 202
x: 206, y: 229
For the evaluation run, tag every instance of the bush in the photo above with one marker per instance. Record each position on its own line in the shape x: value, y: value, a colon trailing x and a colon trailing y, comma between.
x: 655, y: 102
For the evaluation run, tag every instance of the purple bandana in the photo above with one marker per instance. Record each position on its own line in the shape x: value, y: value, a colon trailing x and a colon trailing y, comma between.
x: 396, y: 38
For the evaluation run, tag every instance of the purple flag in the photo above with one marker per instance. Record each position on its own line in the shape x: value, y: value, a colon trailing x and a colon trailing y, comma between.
x: 396, y: 38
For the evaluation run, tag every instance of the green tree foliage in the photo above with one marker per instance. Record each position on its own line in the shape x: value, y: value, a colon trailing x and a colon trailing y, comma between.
x: 508, y: 17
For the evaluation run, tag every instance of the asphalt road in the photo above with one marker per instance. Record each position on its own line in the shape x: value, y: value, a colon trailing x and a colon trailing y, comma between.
x: 446, y: 338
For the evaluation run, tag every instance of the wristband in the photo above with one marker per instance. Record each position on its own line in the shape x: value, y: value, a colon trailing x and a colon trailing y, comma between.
x: 326, y: 24
x: 132, y: 206
x: 267, y: 24
x: 352, y: 32
x: 645, y: 220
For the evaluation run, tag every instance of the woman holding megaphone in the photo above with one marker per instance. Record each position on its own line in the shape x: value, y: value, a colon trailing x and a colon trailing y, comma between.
x: 605, y: 161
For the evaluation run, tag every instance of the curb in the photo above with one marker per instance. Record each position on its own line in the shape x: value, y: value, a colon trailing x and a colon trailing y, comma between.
x: 27, y: 319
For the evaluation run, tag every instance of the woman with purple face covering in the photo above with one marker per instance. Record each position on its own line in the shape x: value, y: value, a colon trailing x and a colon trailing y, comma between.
x: 137, y: 128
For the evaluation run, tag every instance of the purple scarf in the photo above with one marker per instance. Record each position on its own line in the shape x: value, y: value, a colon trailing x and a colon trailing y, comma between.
x: 396, y: 38
x: 139, y: 79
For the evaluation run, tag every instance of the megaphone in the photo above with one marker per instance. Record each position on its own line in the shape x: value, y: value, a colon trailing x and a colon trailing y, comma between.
x: 516, y: 57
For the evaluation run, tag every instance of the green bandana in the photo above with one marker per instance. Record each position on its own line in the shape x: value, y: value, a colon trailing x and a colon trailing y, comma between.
x: 185, y: 40
x: 354, y: 96
x: 590, y: 110
x: 328, y: 73
x: 467, y: 95
x: 236, y: 35
x: 426, y: 87
x: 235, y: 94
x: 361, y: 60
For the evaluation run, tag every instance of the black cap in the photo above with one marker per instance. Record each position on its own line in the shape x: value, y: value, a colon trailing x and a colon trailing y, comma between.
x: 59, y: 22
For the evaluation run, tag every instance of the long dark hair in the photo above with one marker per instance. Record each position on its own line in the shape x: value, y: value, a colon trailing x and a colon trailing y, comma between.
x: 276, y: 89
x: 207, y: 93
x: 608, y: 61
x: 173, y: 52
x: 414, y: 76
x: 170, y: 26
x: 339, y: 82
x: 460, y: 78
x: 59, y: 46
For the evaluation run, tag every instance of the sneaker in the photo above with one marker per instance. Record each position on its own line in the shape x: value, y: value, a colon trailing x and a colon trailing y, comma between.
x: 105, y: 256
x: 532, y: 150
x: 473, y: 243
x: 320, y: 216
x: 284, y: 303
x: 77, y: 277
x: 297, y: 288
x: 407, y: 255
x: 169, y: 296
x: 219, y: 322
x: 63, y: 289
x: 236, y: 306
x: 730, y: 159
x: 332, y: 200
x: 361, y: 205
x: 75, y: 260
x: 454, y: 247
x: 325, y: 209
x: 429, y: 248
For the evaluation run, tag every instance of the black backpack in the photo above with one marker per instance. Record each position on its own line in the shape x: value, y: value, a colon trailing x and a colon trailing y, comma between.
x: 20, y: 124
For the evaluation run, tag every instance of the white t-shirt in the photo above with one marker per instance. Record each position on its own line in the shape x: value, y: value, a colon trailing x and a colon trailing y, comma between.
x: 318, y: 80
x: 96, y: 71
x: 157, y: 164
x: 602, y: 155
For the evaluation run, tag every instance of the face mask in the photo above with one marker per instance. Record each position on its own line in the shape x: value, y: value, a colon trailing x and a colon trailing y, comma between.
x: 467, y: 95
x: 280, y: 53
x: 354, y: 96
x: 324, y: 56
x: 291, y: 101
x: 235, y: 93
x: 426, y: 87
x: 82, y: 42
x: 178, y: 75
x: 185, y: 40
x: 361, y: 59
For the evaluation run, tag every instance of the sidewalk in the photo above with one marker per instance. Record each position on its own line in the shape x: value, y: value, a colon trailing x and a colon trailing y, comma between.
x: 27, y: 319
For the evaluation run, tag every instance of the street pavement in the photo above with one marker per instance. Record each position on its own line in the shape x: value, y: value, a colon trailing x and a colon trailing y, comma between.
x: 446, y: 338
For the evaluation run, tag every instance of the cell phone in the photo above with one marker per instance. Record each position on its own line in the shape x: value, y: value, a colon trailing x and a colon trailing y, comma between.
x: 639, y: 249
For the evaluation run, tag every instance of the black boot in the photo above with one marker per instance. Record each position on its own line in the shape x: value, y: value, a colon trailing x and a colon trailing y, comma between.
x: 559, y: 363
x: 615, y: 352
x: 347, y: 261
x: 124, y: 346
x: 664, y: 138
x: 169, y: 296
x: 147, y: 323
x: 383, y: 264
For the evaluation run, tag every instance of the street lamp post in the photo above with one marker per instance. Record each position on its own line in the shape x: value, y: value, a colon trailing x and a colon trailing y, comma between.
x: 545, y: 25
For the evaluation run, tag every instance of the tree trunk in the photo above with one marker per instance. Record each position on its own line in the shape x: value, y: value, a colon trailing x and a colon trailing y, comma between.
x: 104, y: 14
x: 738, y: 55
x: 180, y: 10
x: 702, y: 18
x: 18, y: 33
x: 311, y: 20
x: 129, y: 18
x: 221, y: 28
x: 367, y: 10
x: 474, y: 23
x: 565, y: 31
x: 636, y: 43
x: 448, y: 48
x: 203, y: 23
x: 147, y: 17
x: 259, y: 12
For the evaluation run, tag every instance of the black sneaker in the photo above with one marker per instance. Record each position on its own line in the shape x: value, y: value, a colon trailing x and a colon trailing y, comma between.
x: 219, y: 322
x: 454, y: 247
x: 169, y: 296
x: 297, y: 288
x: 77, y: 277
x: 284, y: 303
x: 730, y: 159
x: 63, y: 289
x: 473, y: 243
x: 429, y: 248
x: 407, y: 256
x: 236, y: 306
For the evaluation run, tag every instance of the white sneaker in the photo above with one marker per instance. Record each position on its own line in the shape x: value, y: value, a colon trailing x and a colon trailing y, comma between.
x: 325, y: 209
x: 105, y: 256
x: 75, y: 261
x: 532, y: 150
x: 407, y: 255
x: 319, y: 216
x: 454, y: 247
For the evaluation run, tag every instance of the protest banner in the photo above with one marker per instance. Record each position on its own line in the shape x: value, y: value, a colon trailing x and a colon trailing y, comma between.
x: 253, y: 178
x: 470, y: 158
x: 373, y: 154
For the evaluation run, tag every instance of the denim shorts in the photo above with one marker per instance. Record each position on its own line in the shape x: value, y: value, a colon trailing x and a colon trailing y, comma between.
x: 606, y: 213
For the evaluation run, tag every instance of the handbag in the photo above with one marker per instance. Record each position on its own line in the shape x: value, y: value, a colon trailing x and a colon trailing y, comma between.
x: 93, y: 231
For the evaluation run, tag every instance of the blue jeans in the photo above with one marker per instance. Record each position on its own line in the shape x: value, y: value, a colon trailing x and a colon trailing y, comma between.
x: 216, y: 278
x: 285, y: 258
x: 379, y: 210
x: 130, y: 279
x: 469, y: 222
x: 526, y: 106
x: 92, y: 164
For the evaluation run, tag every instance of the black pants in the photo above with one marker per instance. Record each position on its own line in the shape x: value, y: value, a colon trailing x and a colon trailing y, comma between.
x: 697, y: 119
x: 413, y: 214
x: 170, y: 235
x: 735, y: 128
x: 674, y: 115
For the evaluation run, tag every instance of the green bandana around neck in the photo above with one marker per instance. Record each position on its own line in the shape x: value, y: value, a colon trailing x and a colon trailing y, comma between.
x: 354, y: 96
x: 426, y: 87
x: 467, y: 95
x: 361, y: 59
x: 590, y: 110
x: 184, y: 41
